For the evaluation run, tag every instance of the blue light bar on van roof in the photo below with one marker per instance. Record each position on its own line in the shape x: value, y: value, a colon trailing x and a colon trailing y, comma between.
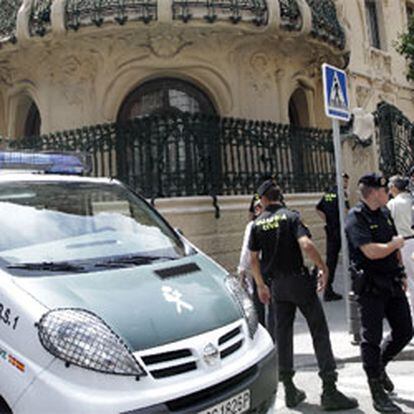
x: 52, y: 163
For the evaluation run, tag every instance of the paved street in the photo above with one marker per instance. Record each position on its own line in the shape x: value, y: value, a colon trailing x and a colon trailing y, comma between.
x: 352, y: 379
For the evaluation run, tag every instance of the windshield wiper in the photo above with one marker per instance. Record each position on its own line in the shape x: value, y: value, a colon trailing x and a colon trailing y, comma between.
x: 132, y: 261
x: 48, y: 266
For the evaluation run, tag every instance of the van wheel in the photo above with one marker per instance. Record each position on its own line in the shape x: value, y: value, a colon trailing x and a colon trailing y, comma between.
x: 4, y: 408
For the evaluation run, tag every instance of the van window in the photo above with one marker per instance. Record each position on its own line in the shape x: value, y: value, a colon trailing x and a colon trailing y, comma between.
x: 80, y: 222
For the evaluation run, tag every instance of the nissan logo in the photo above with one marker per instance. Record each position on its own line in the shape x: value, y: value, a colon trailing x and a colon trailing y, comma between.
x: 211, y: 354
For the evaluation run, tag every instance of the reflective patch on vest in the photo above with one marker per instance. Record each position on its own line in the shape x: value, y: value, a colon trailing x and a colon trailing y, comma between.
x: 271, y: 223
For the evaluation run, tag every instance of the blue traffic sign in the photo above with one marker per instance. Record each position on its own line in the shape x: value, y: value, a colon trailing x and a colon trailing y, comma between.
x: 335, y: 93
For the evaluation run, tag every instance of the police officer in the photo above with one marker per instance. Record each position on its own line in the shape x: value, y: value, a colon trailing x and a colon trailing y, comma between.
x: 328, y: 210
x: 278, y: 235
x: 379, y: 282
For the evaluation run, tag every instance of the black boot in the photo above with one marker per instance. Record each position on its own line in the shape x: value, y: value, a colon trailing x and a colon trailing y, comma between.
x: 334, y: 400
x: 330, y: 296
x: 380, y: 399
x: 293, y: 395
x: 387, y: 384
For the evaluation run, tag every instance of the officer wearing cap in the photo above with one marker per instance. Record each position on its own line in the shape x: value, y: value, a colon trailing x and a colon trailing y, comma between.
x: 328, y: 209
x: 379, y: 282
x: 277, y: 239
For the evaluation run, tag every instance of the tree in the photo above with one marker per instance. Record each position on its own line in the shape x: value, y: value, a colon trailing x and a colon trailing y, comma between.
x: 405, y: 46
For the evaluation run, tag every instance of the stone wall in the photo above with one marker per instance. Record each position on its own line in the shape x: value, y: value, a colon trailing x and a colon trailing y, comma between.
x: 221, y: 238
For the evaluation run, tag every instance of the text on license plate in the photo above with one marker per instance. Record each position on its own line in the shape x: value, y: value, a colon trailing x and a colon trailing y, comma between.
x: 237, y: 404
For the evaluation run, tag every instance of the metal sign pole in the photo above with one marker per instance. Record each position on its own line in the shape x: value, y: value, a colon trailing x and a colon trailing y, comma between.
x: 341, y: 205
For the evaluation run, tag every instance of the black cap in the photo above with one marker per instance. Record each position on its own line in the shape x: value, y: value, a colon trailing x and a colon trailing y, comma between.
x: 265, y: 187
x: 373, y: 180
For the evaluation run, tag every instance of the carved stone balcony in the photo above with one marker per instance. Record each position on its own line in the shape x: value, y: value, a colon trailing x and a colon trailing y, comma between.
x: 316, y: 19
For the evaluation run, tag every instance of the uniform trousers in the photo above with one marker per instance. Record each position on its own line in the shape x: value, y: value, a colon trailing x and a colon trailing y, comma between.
x: 374, y: 307
x: 333, y: 246
x: 284, y: 313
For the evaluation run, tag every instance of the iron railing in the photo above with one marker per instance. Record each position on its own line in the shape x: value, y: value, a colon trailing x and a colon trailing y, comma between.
x: 200, y: 154
x: 8, y: 15
x: 80, y: 12
x: 290, y: 15
x: 396, y: 139
x: 325, y: 24
x: 40, y: 17
x: 213, y: 10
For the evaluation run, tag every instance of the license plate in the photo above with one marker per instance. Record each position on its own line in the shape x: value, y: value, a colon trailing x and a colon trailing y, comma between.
x: 237, y: 404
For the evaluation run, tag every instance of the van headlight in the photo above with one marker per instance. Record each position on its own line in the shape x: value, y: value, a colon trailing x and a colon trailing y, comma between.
x: 246, y: 304
x: 81, y: 338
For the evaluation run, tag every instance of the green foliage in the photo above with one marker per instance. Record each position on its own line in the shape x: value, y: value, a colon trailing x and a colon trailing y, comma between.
x: 405, y: 46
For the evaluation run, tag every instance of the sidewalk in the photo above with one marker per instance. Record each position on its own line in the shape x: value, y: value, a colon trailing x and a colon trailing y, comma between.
x: 352, y: 379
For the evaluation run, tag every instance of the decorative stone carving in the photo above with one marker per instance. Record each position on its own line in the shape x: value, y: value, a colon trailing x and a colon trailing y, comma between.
x: 363, y: 95
x: 364, y: 124
x: 166, y: 44
x: 312, y: 68
x: 5, y: 74
x: 360, y: 131
x: 261, y: 72
x: 72, y: 72
x: 380, y: 63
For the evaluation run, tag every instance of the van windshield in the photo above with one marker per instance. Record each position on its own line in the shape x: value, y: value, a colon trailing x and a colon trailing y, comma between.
x: 64, y: 226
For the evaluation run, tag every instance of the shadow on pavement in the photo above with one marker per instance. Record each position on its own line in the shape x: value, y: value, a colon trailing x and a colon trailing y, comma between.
x: 408, y: 403
x: 309, y: 408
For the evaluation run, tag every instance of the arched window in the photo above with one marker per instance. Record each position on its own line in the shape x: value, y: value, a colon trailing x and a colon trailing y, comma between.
x: 27, y: 121
x: 298, y: 109
x: 165, y: 96
x: 298, y: 118
x: 33, y: 122
x: 157, y: 158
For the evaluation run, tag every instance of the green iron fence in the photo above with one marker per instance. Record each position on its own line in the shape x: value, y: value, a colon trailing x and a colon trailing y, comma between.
x: 396, y: 139
x: 189, y: 154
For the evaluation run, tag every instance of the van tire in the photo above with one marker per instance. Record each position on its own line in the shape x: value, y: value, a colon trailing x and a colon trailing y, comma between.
x: 4, y: 408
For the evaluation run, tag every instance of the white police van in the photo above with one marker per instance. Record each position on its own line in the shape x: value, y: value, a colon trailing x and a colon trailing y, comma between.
x: 104, y: 308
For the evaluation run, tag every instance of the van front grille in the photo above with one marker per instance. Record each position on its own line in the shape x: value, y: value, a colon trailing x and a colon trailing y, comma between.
x: 229, y: 335
x: 231, y: 342
x: 168, y: 364
x: 231, y: 349
x: 166, y: 356
x: 176, y: 370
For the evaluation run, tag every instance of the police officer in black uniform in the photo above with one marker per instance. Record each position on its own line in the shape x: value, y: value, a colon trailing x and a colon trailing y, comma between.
x: 380, y: 283
x: 278, y: 235
x: 328, y: 210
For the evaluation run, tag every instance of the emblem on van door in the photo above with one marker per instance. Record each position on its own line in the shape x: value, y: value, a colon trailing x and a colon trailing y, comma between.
x: 174, y: 296
x: 211, y: 354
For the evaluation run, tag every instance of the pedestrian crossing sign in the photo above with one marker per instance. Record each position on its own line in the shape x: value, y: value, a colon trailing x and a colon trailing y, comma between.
x: 335, y: 93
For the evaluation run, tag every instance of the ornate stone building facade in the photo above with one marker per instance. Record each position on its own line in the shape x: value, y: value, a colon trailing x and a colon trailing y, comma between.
x: 68, y: 64
x: 78, y: 61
